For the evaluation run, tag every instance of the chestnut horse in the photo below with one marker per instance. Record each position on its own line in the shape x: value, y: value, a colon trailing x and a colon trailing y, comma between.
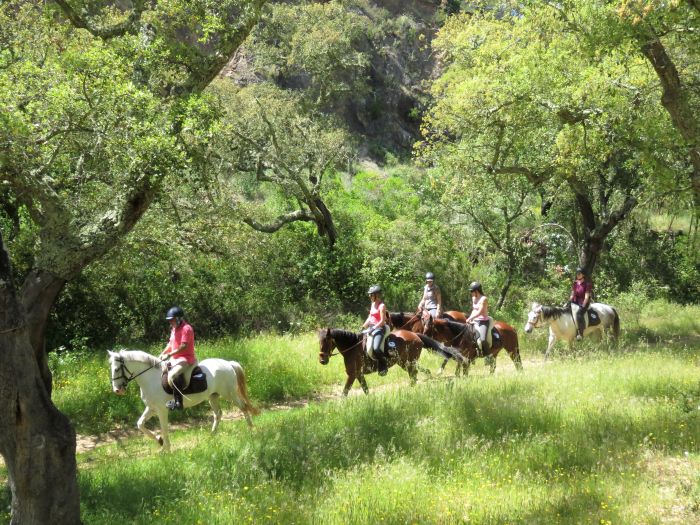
x: 403, y: 347
x: 449, y: 331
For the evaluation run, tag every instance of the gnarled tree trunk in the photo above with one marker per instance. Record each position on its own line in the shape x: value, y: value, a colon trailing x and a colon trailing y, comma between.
x: 37, y: 442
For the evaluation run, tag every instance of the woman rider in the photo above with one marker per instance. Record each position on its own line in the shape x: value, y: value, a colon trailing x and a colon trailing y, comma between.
x: 581, y: 294
x: 430, y: 303
x: 480, y: 316
x: 377, y: 321
x: 180, y: 353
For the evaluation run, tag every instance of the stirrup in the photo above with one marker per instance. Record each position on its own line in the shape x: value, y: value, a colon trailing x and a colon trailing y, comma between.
x: 173, y: 405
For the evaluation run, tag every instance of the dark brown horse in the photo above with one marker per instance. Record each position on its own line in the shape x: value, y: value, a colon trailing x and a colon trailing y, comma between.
x: 403, y: 347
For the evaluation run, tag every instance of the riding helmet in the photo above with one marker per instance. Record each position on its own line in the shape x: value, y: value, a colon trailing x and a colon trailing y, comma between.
x: 475, y: 287
x: 174, y: 313
x: 579, y: 269
x: 430, y: 276
x: 374, y: 289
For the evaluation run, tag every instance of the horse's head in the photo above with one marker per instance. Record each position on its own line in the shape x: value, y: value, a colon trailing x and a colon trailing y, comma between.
x: 117, y: 373
x: 326, y: 345
x: 533, y: 317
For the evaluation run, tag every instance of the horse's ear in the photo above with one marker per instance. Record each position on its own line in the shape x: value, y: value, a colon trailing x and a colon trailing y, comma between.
x: 110, y: 353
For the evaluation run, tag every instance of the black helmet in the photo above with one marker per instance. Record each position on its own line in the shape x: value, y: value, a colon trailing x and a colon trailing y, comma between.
x: 374, y: 289
x: 579, y: 269
x: 475, y: 287
x: 174, y: 313
x: 430, y: 276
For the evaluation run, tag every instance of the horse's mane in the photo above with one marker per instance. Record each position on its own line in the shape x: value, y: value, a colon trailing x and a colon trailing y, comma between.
x: 138, y: 355
x: 553, y: 312
x: 401, y: 318
x: 344, y: 336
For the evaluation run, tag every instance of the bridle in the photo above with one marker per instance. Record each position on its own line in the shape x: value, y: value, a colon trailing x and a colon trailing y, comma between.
x: 339, y: 351
x: 123, y: 370
x: 538, y: 317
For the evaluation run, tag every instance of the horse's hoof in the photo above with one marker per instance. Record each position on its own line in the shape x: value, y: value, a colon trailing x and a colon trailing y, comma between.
x: 160, y: 441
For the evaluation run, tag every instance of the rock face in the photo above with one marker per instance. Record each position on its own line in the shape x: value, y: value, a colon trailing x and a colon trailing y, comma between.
x: 400, y: 68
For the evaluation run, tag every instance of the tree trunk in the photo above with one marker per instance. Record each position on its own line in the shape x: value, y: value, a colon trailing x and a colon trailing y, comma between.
x: 37, y: 442
x: 509, y: 280
x: 38, y: 294
x: 596, y: 230
x: 676, y: 101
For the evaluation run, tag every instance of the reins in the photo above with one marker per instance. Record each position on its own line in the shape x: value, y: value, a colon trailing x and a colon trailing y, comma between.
x: 341, y: 352
x: 123, y: 368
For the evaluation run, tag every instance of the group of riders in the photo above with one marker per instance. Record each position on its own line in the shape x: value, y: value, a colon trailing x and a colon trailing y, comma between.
x: 377, y: 325
x: 179, y: 359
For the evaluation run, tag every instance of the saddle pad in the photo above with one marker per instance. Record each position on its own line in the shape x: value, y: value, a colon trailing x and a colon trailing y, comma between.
x: 495, y: 334
x: 593, y: 317
x: 198, y: 382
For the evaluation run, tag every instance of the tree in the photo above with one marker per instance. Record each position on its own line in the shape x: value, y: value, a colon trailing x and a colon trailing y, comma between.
x: 528, y: 96
x: 269, y: 138
x: 94, y: 97
x: 667, y: 35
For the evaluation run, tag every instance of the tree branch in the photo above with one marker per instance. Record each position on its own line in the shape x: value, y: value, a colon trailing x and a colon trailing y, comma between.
x: 297, y: 215
x: 127, y: 27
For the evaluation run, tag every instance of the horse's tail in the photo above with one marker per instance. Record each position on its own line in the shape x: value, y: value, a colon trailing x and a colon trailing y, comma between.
x: 616, y: 324
x: 446, y: 351
x: 242, y: 388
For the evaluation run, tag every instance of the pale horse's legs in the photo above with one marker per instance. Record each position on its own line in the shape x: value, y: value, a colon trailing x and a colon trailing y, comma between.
x: 240, y: 403
x: 163, y: 439
x: 550, y: 344
x: 216, y: 408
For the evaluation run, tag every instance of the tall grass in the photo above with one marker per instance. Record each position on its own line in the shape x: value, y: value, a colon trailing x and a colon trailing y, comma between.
x: 611, y: 439
x: 600, y: 434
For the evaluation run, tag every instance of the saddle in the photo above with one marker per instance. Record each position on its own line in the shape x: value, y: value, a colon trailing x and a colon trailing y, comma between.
x: 198, y: 382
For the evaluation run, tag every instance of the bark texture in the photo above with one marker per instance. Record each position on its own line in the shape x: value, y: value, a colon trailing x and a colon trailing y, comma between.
x: 37, y: 441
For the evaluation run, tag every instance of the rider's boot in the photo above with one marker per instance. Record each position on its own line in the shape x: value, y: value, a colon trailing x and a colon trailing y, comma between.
x: 382, y: 368
x: 580, y: 323
x: 485, y: 348
x: 176, y: 402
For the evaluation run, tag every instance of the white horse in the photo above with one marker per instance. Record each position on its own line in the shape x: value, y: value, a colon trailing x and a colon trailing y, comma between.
x: 563, y: 327
x: 224, y: 379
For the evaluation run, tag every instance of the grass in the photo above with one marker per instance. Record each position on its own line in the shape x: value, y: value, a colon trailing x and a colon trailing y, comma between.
x: 607, y: 439
x: 597, y: 435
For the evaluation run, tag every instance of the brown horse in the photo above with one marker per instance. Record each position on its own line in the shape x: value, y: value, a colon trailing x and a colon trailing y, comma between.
x: 463, y: 336
x: 402, y: 346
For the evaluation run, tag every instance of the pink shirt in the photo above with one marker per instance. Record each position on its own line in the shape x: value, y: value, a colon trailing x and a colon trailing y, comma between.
x: 182, y: 334
x: 375, y: 314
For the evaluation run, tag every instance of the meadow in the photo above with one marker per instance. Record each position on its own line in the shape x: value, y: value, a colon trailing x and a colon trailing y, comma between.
x: 596, y: 435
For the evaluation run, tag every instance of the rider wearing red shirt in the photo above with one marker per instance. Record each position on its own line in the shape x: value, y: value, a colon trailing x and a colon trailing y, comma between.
x: 581, y: 294
x: 180, y: 353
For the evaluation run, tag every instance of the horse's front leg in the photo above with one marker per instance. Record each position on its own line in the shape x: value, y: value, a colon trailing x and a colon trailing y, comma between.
x: 550, y: 344
x: 141, y: 424
x: 351, y: 372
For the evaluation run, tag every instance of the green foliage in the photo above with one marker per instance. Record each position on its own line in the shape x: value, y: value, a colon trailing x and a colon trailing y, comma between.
x: 321, y: 47
x: 556, y: 97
